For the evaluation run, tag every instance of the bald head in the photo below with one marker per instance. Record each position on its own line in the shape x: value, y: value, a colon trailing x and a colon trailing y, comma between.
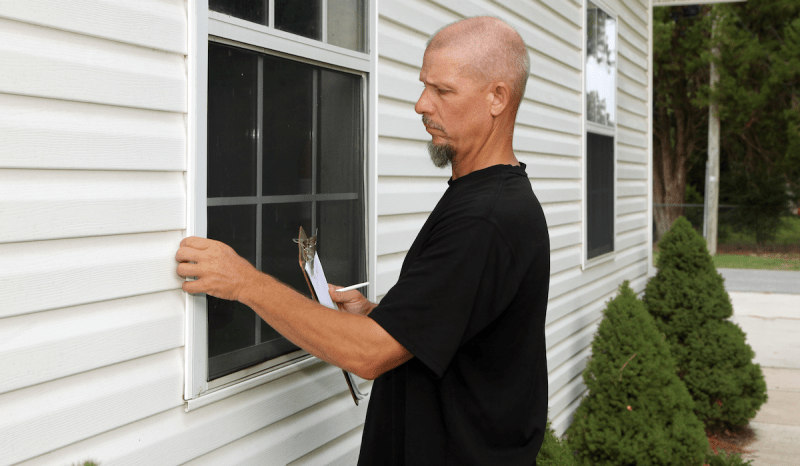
x: 497, y: 52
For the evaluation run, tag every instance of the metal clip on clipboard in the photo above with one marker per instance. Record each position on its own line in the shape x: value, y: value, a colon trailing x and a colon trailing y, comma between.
x: 315, y: 278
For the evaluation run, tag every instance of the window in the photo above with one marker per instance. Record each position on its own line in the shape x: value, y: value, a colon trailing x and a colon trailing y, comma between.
x: 601, y: 88
x: 286, y: 117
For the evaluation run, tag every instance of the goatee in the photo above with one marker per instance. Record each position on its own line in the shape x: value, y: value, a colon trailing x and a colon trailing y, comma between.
x: 442, y: 155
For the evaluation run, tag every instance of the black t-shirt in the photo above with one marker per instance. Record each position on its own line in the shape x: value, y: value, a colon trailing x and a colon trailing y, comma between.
x: 470, y: 306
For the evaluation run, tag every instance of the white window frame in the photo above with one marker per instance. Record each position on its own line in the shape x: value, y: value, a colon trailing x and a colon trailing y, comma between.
x: 205, y: 26
x: 590, y: 126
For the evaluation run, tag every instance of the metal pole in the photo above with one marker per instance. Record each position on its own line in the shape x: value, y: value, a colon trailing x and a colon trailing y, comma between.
x: 712, y: 166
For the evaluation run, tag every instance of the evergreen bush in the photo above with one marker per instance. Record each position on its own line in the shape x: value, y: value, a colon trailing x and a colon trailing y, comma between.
x: 690, y: 306
x: 637, y: 411
x: 554, y: 451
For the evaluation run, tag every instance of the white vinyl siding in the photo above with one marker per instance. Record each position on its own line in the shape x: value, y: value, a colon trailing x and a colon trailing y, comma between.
x: 96, y: 122
x: 548, y: 138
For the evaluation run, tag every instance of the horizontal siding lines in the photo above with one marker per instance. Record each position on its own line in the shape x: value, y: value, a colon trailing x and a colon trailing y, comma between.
x: 528, y: 139
x: 99, y: 401
x: 423, y: 17
x: 631, y: 188
x: 545, y: 92
x: 156, y: 24
x: 406, y: 157
x: 397, y: 232
x: 175, y: 436
x: 43, y: 275
x: 343, y: 451
x: 550, y: 167
x: 400, y: 44
x: 571, y: 13
x: 575, y: 279
x: 562, y: 213
x: 631, y: 171
x: 56, y: 134
x: 44, y: 62
x: 46, y: 346
x: 631, y: 154
x: 388, y: 270
x: 631, y: 70
x: 560, y: 381
x: 631, y: 121
x: 625, y: 223
x: 549, y: 118
x: 542, y: 40
x: 564, y: 236
x: 548, y: 69
x: 631, y: 205
x: 632, y: 239
x: 55, y: 204
x: 408, y: 195
x: 565, y: 259
x: 631, y: 88
x: 290, y: 438
x: 544, y: 19
x: 556, y: 191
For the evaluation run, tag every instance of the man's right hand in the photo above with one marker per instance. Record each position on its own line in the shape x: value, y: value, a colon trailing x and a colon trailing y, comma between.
x: 350, y: 301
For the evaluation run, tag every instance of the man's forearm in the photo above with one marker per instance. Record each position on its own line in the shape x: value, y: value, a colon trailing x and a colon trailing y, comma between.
x: 353, y: 342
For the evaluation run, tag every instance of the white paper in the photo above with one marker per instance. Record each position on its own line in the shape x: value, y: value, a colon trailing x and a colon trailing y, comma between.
x: 318, y: 281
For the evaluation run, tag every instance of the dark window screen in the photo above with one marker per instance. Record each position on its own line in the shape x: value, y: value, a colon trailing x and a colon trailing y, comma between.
x: 285, y: 150
x: 600, y: 194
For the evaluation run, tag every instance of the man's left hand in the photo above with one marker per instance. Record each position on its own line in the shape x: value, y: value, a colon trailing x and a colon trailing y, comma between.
x: 219, y: 270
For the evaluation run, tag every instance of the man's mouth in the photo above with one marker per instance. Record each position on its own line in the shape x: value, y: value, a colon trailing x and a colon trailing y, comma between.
x: 430, y: 124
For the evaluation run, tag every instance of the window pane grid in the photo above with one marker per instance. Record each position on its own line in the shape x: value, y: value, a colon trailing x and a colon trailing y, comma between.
x: 341, y: 23
x: 285, y: 149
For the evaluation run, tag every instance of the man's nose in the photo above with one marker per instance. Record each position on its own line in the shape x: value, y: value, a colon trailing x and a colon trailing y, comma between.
x: 423, y: 104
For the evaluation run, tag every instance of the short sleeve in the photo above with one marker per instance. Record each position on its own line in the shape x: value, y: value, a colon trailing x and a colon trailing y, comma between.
x: 461, y: 281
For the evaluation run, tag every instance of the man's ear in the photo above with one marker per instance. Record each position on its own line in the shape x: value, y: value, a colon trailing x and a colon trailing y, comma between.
x: 500, y: 93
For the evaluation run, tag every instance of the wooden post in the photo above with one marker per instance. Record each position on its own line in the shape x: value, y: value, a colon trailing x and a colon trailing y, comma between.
x: 711, y: 208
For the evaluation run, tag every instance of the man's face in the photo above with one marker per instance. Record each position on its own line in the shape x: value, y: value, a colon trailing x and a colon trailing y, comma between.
x: 454, y: 105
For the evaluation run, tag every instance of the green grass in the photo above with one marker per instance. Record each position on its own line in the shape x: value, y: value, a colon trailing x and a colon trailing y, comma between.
x: 739, y: 261
x: 789, y: 233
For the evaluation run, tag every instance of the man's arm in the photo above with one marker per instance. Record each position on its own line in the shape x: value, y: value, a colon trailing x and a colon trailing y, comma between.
x: 351, y: 341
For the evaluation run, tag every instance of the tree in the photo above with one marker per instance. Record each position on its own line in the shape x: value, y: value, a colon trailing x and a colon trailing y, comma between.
x: 758, y: 96
x: 691, y: 307
x: 759, y: 100
x: 637, y: 410
x: 680, y: 118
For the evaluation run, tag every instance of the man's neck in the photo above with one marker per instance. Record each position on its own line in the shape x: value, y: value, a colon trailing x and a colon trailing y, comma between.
x: 492, y: 152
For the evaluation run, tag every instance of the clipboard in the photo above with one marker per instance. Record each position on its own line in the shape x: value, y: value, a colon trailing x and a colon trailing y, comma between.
x: 315, y: 279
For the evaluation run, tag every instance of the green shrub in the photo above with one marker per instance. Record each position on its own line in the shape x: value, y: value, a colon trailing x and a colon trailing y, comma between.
x: 554, y: 451
x: 724, y: 459
x: 637, y: 411
x: 688, y: 300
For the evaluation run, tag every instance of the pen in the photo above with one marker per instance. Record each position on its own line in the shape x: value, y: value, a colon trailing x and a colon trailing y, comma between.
x: 353, y: 287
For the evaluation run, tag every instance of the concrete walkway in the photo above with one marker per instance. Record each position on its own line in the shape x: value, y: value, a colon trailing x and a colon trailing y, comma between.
x: 771, y: 320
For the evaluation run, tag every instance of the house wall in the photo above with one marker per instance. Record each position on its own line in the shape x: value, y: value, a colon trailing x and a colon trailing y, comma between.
x: 93, y: 203
x: 548, y: 138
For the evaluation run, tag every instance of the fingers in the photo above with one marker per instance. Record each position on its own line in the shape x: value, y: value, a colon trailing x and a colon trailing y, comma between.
x: 194, y: 286
x: 189, y: 270
x: 188, y: 254
x: 196, y: 242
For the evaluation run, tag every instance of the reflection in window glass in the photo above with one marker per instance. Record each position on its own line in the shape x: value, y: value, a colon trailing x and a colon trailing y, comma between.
x: 255, y: 11
x: 601, y: 60
x: 346, y: 24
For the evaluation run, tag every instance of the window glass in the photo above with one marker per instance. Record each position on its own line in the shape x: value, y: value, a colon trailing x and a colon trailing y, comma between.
x: 601, y: 60
x: 345, y: 25
x: 232, y: 112
x: 256, y: 11
x: 294, y: 130
x: 599, y: 194
x: 301, y: 17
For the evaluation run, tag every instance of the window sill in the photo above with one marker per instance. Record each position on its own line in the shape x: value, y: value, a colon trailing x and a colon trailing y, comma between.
x: 254, y: 381
x: 602, y: 259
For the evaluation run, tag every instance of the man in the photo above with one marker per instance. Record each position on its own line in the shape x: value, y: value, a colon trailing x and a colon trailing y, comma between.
x: 457, y: 345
